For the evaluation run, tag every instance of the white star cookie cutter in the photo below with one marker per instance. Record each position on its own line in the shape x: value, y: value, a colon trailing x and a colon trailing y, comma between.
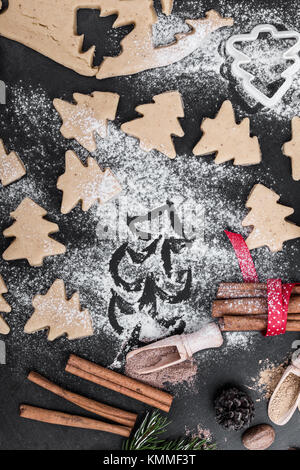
x: 240, y: 59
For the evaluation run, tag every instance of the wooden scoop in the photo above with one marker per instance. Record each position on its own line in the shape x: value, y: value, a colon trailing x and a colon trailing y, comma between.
x: 279, y: 393
x: 181, y: 347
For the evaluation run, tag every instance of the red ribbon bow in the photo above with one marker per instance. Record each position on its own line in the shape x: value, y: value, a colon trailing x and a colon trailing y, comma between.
x: 278, y: 294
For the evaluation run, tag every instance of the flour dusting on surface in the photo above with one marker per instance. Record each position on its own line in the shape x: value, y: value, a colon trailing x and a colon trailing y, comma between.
x: 189, y: 180
x: 207, y: 198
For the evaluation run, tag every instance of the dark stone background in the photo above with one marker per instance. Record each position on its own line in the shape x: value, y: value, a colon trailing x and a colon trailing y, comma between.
x: 19, y: 63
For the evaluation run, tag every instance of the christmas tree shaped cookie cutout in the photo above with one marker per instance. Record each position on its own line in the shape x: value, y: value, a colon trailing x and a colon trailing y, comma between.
x: 60, y: 316
x: 87, y: 117
x: 4, y: 307
x: 227, y: 139
x: 31, y: 232
x: 11, y: 166
x: 267, y: 217
x: 158, y: 124
x: 292, y: 148
x: 88, y: 184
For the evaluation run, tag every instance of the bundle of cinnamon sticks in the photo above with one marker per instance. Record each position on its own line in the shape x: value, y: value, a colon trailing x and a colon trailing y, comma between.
x: 125, y: 419
x: 244, y: 307
x: 106, y: 378
x: 119, y: 383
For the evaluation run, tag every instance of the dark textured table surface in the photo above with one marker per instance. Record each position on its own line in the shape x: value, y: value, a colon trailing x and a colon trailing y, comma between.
x: 30, y: 126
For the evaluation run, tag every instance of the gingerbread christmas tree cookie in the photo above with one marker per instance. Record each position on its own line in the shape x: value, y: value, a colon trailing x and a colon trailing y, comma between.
x: 292, y: 148
x: 229, y: 140
x: 267, y: 217
x: 87, y: 117
x: 11, y: 166
x: 158, y: 124
x: 31, y: 232
x: 87, y: 184
x: 4, y: 307
x: 60, y: 316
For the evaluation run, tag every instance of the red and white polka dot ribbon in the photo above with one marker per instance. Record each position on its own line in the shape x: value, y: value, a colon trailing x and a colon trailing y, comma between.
x: 278, y: 294
x: 244, y: 257
x: 278, y: 303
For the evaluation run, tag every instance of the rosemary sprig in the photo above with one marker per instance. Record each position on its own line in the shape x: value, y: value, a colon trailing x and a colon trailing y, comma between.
x: 147, y: 437
x: 194, y: 443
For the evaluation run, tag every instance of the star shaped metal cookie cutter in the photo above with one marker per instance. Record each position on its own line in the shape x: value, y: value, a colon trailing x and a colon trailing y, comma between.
x: 240, y: 59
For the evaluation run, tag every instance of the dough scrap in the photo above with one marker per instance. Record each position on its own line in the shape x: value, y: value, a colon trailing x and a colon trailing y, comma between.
x: 167, y: 6
x: 11, y: 166
x: 87, y: 184
x: 60, y: 316
x: 158, y: 124
x: 292, y: 148
x: 230, y: 141
x: 31, y: 232
x: 89, y: 115
x: 138, y: 52
x: 267, y: 217
x: 4, y: 307
x: 50, y: 29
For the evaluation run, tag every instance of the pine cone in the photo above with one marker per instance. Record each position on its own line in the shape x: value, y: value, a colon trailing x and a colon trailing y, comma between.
x: 234, y: 409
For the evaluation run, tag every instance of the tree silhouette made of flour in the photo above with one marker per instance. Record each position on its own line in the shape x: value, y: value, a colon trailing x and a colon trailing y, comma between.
x: 142, y: 290
x: 4, y: 307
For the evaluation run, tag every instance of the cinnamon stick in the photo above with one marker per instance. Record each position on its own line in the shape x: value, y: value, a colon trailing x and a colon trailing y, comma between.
x: 64, y: 419
x: 250, y: 306
x: 251, y: 323
x: 117, y: 388
x: 233, y: 290
x: 108, y: 412
x: 119, y: 383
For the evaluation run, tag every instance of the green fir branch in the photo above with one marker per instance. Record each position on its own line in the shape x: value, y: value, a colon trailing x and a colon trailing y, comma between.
x: 147, y: 437
x: 194, y: 443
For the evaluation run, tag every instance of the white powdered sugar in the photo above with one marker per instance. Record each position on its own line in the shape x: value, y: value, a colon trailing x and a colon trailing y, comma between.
x: 166, y: 28
x: 208, y: 198
x: 148, y: 181
x: 205, y: 65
